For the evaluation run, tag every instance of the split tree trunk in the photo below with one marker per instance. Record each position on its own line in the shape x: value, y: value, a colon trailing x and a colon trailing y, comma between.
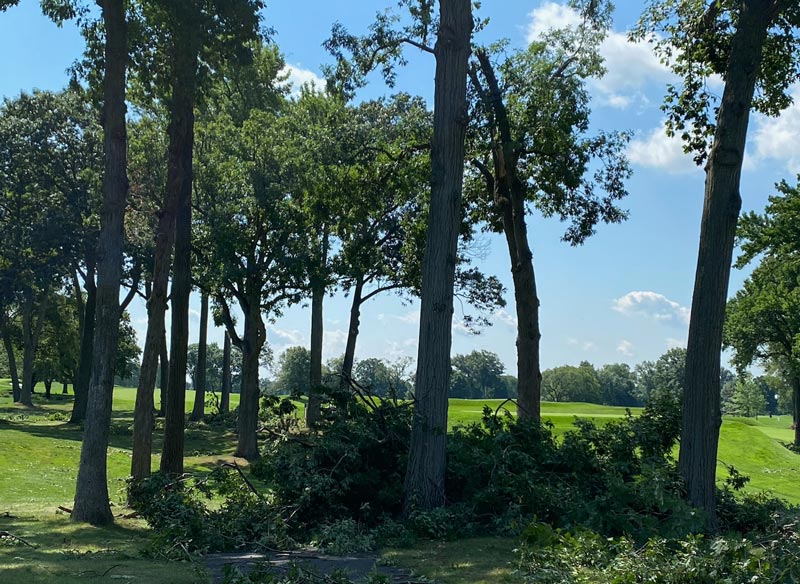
x: 352, y: 336
x: 425, y: 474
x: 702, y: 418
x: 225, y: 400
x: 91, y: 494
x: 198, y: 411
x: 509, y: 194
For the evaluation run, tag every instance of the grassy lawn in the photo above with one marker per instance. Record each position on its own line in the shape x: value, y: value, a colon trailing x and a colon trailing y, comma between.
x: 38, y: 466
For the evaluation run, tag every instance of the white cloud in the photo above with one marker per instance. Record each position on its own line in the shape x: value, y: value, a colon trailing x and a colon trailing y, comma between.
x: 625, y: 348
x: 587, y: 346
x: 297, y: 77
x: 287, y: 338
x: 506, y: 318
x: 776, y: 138
x: 194, y: 314
x: 657, y: 150
x: 652, y: 305
x: 631, y: 67
x: 333, y: 343
x: 398, y: 349
x: 411, y: 317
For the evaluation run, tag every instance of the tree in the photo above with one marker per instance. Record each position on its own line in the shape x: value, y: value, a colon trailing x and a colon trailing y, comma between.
x: 199, y: 377
x: 617, y: 385
x: 568, y: 383
x: 763, y: 321
x: 532, y: 147
x: 753, y: 45
x: 292, y: 372
x: 748, y: 397
x: 91, y: 493
x: 249, y: 237
x: 477, y: 375
x: 185, y: 40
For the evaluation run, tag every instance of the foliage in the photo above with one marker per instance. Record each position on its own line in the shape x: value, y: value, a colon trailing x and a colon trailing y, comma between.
x: 184, y: 523
x: 351, y: 469
x: 478, y: 375
x: 570, y: 383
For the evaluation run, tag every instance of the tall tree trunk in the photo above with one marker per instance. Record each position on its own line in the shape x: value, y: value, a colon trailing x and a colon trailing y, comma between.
x: 796, y: 407
x: 163, y: 383
x: 91, y: 494
x: 509, y: 194
x: 352, y: 335
x: 154, y: 346
x: 200, y: 390
x: 702, y: 418
x: 315, y: 379
x: 225, y: 400
x: 254, y: 336
x: 424, y: 481
x: 179, y: 182
x: 83, y: 377
x: 8, y: 343
x: 33, y: 316
x: 48, y: 387
x: 64, y: 387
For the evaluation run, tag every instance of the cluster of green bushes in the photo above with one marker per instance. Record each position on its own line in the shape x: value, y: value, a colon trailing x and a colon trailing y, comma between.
x: 603, y: 498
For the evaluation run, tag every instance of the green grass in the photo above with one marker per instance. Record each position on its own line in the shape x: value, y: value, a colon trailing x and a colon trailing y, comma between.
x: 39, y: 456
x: 484, y: 560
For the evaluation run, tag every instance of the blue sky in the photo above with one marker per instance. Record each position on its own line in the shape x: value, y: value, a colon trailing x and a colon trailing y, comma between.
x: 623, y: 296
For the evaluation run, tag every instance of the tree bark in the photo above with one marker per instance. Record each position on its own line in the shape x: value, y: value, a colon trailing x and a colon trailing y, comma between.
x: 64, y: 388
x: 225, y: 400
x: 12, y: 362
x: 91, y: 494
x: 255, y: 333
x: 199, y: 409
x: 702, y: 418
x: 48, y: 388
x: 163, y: 384
x: 424, y: 481
x: 509, y: 194
x: 313, y: 409
x: 352, y: 336
x: 796, y: 408
x: 33, y: 316
x: 83, y: 377
x: 179, y: 186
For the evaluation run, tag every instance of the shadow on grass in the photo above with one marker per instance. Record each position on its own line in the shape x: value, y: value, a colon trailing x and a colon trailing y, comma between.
x: 67, y: 553
x: 201, y: 439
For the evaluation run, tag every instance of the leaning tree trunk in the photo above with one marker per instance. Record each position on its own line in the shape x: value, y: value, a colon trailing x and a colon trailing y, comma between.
x: 313, y: 409
x: 352, y: 336
x: 12, y: 364
x: 83, y: 377
x: 251, y: 343
x: 179, y: 182
x: 424, y: 480
x: 200, y: 390
x: 225, y: 400
x: 154, y: 347
x: 509, y: 194
x: 697, y: 461
x: 91, y: 494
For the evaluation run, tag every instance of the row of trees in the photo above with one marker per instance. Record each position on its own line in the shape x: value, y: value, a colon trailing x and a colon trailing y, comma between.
x: 221, y: 173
